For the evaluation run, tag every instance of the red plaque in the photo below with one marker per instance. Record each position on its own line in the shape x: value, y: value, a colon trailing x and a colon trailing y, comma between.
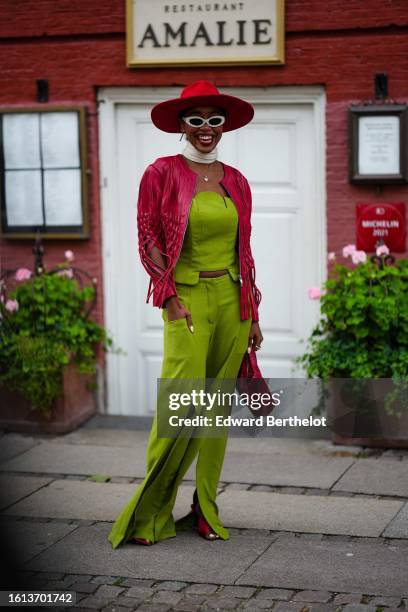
x: 382, y: 220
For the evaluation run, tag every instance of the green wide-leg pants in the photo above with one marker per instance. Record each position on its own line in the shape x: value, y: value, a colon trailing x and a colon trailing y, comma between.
x: 214, y: 350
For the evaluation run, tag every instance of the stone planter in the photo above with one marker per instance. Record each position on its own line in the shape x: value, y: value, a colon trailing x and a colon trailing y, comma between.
x: 361, y: 418
x: 75, y: 406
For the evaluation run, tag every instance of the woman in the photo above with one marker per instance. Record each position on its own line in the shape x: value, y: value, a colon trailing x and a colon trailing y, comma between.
x: 194, y: 224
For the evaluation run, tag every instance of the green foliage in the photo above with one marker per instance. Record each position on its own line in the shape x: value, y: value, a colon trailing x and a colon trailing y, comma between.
x: 50, y: 329
x: 363, y: 330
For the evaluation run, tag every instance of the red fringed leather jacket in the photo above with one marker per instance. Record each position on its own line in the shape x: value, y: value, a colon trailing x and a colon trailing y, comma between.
x: 166, y: 191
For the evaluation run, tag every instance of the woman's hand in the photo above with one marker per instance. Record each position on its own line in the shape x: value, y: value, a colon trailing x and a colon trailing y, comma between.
x: 176, y: 310
x: 255, y: 337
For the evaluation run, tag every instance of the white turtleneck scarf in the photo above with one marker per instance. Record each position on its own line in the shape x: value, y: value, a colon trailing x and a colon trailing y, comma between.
x: 192, y: 153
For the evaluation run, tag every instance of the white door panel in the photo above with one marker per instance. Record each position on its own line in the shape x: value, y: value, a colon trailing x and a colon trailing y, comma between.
x: 281, y: 155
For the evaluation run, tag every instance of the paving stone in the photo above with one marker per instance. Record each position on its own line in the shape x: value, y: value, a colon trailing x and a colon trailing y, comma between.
x: 169, y: 585
x: 84, y: 587
x: 140, y: 582
x: 344, y: 598
x: 105, y: 436
x: 185, y: 606
x: 185, y: 556
x: 50, y: 575
x: 222, y: 603
x: 104, y: 579
x: 114, y: 608
x: 284, y: 594
x: 290, y: 606
x: 375, y: 476
x: 95, y: 603
x: 360, y: 567
x: 168, y: 597
x: 320, y: 607
x: 258, y: 604
x: 52, y: 458
x: 58, y: 585
x: 13, y: 488
x: 28, y: 539
x: 385, y: 601
x: 13, y: 445
x: 237, y: 591
x: 154, y: 608
x: 310, y: 596
x: 108, y: 590
x: 264, y: 488
x: 193, y: 598
x: 298, y: 470
x: 35, y: 582
x: 398, y: 528
x: 87, y: 500
x: 82, y: 578
x: 362, y: 517
x: 201, y: 588
x: 128, y: 602
x: 358, y: 608
x: 140, y: 592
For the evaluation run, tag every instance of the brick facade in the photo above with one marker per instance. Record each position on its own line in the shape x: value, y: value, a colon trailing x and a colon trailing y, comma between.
x: 79, y: 46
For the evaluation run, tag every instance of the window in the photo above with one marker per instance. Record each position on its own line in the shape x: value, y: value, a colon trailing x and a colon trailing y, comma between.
x: 43, y: 178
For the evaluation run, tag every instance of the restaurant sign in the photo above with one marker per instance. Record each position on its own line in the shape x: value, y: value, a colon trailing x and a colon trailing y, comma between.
x: 195, y: 32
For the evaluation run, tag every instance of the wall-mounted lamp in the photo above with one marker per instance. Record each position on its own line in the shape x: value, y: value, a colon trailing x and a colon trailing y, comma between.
x: 42, y: 90
x: 381, y: 86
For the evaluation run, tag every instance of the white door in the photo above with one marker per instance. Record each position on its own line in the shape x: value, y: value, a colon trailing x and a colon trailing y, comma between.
x: 281, y: 152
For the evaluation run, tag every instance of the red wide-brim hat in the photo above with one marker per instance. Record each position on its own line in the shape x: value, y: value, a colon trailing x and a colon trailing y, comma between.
x: 166, y: 115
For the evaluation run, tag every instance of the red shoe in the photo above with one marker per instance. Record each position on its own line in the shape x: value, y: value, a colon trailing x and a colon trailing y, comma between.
x: 142, y: 541
x: 203, y: 527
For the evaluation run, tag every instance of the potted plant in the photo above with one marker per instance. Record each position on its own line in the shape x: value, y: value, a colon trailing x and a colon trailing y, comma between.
x: 48, y: 346
x: 359, y: 348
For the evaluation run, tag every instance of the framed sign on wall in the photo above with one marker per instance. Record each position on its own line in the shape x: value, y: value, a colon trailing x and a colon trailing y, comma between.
x: 43, y: 173
x: 378, y: 144
x: 197, y: 32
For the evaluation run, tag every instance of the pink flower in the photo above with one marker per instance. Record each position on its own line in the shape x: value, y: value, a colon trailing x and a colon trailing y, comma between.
x: 349, y: 250
x: 11, y: 305
x: 331, y: 256
x: 69, y: 255
x: 68, y: 273
x: 382, y: 250
x: 22, y: 274
x: 314, y: 293
x: 359, y: 257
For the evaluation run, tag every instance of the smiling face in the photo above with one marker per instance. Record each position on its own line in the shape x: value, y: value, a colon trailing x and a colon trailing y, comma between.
x: 204, y: 138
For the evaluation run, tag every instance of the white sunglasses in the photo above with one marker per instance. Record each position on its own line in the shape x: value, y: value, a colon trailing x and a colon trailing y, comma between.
x: 196, y: 121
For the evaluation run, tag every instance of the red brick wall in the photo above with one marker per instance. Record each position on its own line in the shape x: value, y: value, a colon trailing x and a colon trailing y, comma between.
x: 79, y: 45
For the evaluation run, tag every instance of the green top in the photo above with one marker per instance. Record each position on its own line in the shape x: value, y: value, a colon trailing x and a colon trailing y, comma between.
x: 209, y: 241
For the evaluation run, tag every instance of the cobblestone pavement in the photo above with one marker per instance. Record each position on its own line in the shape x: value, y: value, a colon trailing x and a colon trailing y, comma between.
x: 116, y: 593
x: 119, y: 594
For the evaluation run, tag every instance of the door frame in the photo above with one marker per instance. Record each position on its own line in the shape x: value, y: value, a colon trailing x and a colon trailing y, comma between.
x: 107, y: 99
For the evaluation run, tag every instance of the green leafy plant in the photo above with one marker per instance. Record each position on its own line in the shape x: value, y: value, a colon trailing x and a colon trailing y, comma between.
x: 44, y: 326
x: 363, y: 327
